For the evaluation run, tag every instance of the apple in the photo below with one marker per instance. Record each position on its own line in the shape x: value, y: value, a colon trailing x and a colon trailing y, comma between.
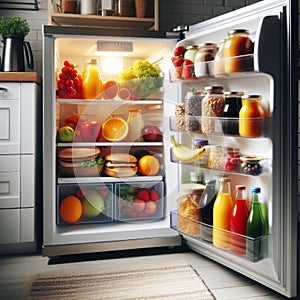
x: 150, y: 208
x: 138, y: 205
x: 66, y: 134
x: 92, y: 204
x: 151, y: 133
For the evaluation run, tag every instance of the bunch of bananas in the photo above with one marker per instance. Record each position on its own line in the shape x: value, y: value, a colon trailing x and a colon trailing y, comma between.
x: 184, y: 153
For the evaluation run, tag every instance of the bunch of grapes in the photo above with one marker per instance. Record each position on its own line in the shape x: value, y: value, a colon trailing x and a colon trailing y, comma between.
x: 69, y: 84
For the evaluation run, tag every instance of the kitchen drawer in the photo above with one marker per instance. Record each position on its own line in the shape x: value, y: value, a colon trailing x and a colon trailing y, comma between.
x: 28, y: 186
x: 95, y: 206
x: 9, y: 226
x: 139, y: 201
x: 10, y: 127
x: 9, y: 163
x: 27, y: 225
x: 9, y: 190
x: 9, y: 91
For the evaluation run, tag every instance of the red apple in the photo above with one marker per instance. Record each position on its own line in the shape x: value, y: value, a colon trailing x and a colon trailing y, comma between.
x: 151, y: 133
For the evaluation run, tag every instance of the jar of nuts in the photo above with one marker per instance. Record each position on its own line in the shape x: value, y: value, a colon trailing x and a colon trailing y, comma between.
x: 212, y: 108
x: 180, y: 116
x: 215, y: 158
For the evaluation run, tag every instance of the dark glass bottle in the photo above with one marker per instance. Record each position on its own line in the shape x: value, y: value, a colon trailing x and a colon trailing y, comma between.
x: 255, y: 229
x: 206, y: 209
x: 233, y: 104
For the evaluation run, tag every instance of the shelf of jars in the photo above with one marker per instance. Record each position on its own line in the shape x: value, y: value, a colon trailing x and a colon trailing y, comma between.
x: 248, y: 248
x: 237, y: 66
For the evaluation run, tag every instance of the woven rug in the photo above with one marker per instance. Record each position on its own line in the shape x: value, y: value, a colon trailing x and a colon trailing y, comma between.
x: 170, y: 281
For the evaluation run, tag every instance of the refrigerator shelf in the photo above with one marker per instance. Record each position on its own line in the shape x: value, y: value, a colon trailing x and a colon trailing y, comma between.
x: 220, y: 123
x: 106, y: 179
x: 252, y: 249
x: 244, y: 64
x: 111, y: 144
x: 110, y: 102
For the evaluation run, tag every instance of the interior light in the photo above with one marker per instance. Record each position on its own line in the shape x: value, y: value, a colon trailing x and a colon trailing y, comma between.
x: 112, y: 65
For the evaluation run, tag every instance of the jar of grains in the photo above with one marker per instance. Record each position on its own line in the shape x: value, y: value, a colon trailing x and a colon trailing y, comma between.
x: 204, y: 59
x: 215, y: 158
x: 192, y: 107
x: 212, y: 108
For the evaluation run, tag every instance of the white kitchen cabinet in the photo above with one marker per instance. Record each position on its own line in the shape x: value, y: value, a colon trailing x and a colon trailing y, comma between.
x: 20, y: 162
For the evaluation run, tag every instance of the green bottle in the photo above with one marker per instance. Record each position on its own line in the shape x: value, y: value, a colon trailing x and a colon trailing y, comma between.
x: 255, y: 229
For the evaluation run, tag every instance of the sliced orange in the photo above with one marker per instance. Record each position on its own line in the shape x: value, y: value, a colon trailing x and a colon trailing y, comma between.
x: 148, y: 165
x: 111, y: 89
x: 124, y: 93
x: 115, y: 129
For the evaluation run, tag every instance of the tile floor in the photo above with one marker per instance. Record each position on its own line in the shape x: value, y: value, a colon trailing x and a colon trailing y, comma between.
x: 16, y: 270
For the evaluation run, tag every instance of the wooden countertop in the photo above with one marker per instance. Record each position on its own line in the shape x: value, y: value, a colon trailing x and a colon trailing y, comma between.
x: 21, y: 77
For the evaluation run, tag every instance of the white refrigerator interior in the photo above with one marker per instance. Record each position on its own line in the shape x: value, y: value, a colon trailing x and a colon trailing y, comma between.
x: 272, y: 75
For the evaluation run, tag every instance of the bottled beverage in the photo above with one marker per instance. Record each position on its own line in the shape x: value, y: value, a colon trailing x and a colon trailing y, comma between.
x: 251, y: 116
x: 136, y: 124
x: 239, y: 221
x: 222, y: 212
x: 206, y: 209
x: 92, y: 85
x: 255, y: 229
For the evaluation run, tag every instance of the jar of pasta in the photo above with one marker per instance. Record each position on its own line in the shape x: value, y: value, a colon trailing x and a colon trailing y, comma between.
x: 212, y: 108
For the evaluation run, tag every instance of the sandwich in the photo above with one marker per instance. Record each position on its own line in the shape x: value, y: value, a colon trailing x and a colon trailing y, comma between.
x: 120, y: 165
x: 80, y: 161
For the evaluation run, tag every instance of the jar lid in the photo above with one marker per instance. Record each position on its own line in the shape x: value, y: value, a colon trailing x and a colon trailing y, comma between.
x: 240, y: 187
x: 234, y: 31
x: 210, y: 44
x: 200, y: 142
x: 252, y: 97
x: 213, y: 88
x: 251, y: 158
x: 224, y: 179
x: 233, y: 93
x: 192, y: 47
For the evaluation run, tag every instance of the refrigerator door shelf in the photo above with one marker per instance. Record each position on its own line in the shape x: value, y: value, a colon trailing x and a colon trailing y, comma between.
x: 248, y: 248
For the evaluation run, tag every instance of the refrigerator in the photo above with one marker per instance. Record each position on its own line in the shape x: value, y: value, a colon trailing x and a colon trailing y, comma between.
x: 113, y: 226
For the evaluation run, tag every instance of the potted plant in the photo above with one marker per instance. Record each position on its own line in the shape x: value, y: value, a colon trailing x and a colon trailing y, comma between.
x: 15, y: 25
x: 13, y: 32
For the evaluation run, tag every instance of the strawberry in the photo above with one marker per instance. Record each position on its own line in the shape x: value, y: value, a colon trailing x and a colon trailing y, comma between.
x: 188, y: 62
x: 179, y: 50
x: 178, y: 62
x: 143, y: 194
x: 188, y: 68
x: 154, y: 196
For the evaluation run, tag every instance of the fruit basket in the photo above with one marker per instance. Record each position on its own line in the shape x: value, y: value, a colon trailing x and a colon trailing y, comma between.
x: 139, y: 201
x: 84, y: 204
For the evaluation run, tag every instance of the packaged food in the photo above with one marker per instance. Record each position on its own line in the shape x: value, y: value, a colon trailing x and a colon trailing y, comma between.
x: 212, y: 107
x: 237, y: 48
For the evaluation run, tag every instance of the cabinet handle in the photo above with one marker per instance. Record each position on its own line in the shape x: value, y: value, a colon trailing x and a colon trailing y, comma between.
x: 3, y: 89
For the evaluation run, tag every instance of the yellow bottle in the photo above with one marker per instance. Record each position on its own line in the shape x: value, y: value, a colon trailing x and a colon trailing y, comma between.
x: 222, y: 212
x: 92, y: 85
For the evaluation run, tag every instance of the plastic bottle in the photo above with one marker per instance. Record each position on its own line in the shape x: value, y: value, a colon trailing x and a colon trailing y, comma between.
x: 255, y: 229
x: 239, y: 221
x: 206, y: 209
x: 222, y: 212
x: 92, y: 85
x: 136, y: 124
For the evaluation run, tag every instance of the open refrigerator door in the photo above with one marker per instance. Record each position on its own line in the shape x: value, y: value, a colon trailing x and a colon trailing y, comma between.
x: 263, y: 161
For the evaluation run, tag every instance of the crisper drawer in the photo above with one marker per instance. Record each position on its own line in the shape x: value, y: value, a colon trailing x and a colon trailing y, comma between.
x: 84, y: 204
x: 139, y: 201
x: 9, y: 181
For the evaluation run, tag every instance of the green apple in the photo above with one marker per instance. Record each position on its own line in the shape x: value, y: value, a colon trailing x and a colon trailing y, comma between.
x: 66, y: 134
x: 92, y: 204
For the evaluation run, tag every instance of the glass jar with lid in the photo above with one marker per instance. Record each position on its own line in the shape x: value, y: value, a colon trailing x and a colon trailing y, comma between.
x: 204, y: 59
x: 191, y: 52
x: 237, y: 48
x: 251, y: 116
x: 215, y: 158
x: 231, y: 160
x: 219, y: 60
x: 233, y: 104
x: 212, y: 108
x: 192, y: 108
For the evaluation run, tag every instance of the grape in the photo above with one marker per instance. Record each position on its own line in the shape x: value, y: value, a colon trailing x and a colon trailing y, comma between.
x: 69, y: 84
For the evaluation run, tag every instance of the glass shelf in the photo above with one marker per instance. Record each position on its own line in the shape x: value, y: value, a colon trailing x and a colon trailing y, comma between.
x: 252, y: 249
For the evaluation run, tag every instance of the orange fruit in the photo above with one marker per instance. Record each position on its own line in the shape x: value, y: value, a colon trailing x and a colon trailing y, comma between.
x: 70, y: 209
x: 148, y: 165
x: 110, y: 90
x: 115, y: 129
x: 124, y: 93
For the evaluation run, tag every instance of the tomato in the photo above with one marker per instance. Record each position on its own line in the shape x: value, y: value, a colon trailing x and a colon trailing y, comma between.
x: 90, y: 131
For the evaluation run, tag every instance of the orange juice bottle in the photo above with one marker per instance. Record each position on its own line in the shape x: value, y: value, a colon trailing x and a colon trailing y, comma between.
x: 222, y: 212
x: 92, y: 85
x: 251, y: 116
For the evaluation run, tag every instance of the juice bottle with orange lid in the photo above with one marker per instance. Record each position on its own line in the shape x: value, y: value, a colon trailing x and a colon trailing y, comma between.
x: 251, y: 116
x: 92, y: 85
x: 222, y: 212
